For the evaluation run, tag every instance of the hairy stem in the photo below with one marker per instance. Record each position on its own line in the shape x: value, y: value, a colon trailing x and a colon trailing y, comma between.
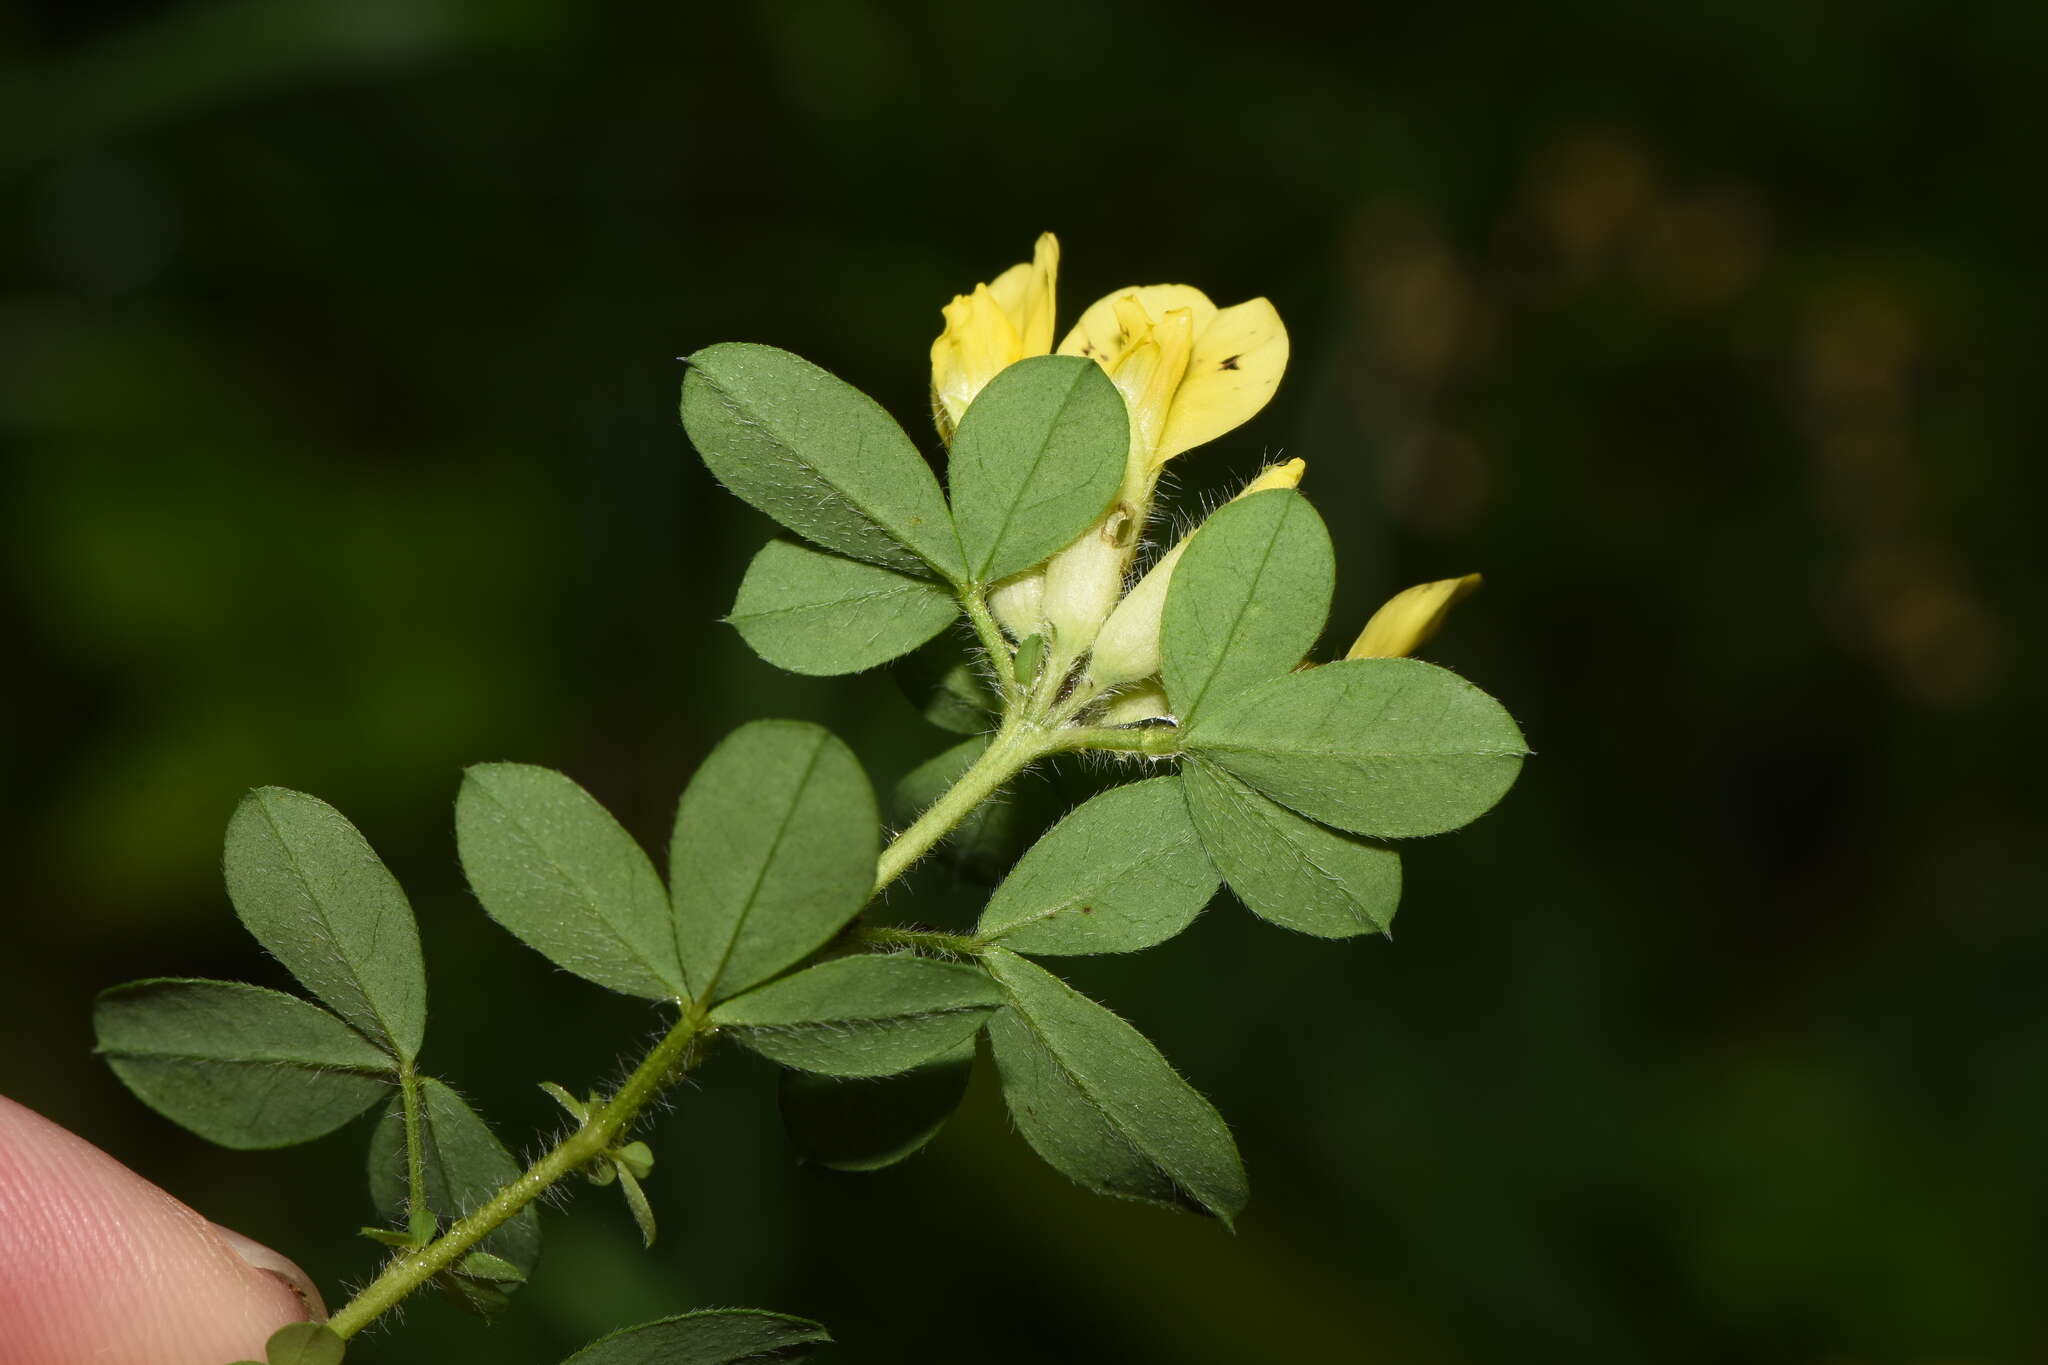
x: 1159, y: 741
x: 664, y: 1064
x: 416, y: 1210
x: 997, y: 648
x: 929, y: 940
x: 1015, y: 747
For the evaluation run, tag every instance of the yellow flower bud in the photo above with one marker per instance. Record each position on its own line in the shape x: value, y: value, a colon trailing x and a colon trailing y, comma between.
x: 1286, y: 475
x: 1127, y: 648
x: 995, y: 326
x: 1410, y: 617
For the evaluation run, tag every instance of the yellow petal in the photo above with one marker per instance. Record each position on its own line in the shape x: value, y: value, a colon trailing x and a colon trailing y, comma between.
x: 1102, y: 334
x: 1410, y: 617
x: 1236, y: 364
x: 1025, y: 293
x: 1150, y: 374
x: 1287, y: 475
x: 993, y: 327
x: 978, y: 342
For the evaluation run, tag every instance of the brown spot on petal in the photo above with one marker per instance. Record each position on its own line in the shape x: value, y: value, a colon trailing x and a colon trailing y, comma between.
x: 1230, y: 362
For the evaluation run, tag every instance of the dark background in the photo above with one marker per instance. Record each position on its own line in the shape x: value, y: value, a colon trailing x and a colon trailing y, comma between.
x: 337, y: 383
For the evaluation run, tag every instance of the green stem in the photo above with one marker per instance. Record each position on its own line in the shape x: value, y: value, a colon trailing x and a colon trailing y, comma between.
x: 953, y: 945
x: 664, y: 1064
x: 415, y: 1147
x: 1159, y: 741
x: 1014, y: 748
x: 997, y: 649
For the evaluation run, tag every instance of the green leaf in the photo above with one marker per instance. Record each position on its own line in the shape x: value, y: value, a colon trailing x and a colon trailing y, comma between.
x: 1390, y: 748
x: 1247, y: 600
x: 774, y: 851
x: 636, y: 1200
x: 714, y: 1336
x: 864, y: 1125
x: 481, y: 1265
x: 872, y: 1015
x: 551, y: 865
x: 304, y: 1343
x: 1037, y: 459
x: 1121, y: 872
x: 1296, y: 873
x: 238, y: 1065
x: 819, y: 456
x: 822, y: 614
x: 1099, y: 1103
x: 947, y: 687
x: 465, y: 1166
x: 309, y: 887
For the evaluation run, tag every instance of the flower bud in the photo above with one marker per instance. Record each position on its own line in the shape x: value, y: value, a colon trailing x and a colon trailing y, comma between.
x: 1410, y: 617
x: 1146, y: 701
x: 1083, y: 581
x: 1019, y: 603
x: 1127, y: 648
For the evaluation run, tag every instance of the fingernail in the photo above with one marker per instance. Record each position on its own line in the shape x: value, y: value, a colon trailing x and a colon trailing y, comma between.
x: 269, y: 1262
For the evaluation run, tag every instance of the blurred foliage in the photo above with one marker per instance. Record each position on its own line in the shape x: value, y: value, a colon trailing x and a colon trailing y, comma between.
x: 337, y: 385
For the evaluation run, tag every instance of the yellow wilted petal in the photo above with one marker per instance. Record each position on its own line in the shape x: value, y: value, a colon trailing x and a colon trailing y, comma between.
x: 1236, y: 364
x: 993, y: 327
x: 1410, y: 617
x: 1103, y: 335
x: 978, y: 342
x: 1025, y: 293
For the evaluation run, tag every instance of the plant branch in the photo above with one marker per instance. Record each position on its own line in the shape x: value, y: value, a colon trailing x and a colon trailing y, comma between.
x: 1015, y: 747
x: 1159, y: 741
x: 996, y: 647
x: 416, y: 1211
x: 663, y: 1065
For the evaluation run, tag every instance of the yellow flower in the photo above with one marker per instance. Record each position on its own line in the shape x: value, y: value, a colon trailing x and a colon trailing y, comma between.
x: 1410, y: 617
x: 1189, y: 370
x: 997, y: 325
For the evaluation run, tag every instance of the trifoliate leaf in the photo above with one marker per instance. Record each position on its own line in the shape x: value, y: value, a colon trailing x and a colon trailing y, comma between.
x: 822, y: 614
x: 1035, y: 462
x: 774, y: 850
x: 864, y: 1125
x: 239, y: 1065
x: 819, y: 456
x: 551, y: 865
x: 715, y: 1336
x: 872, y: 1015
x: 1121, y: 872
x: 1099, y: 1103
x: 947, y: 688
x: 1389, y: 748
x: 1246, y: 601
x: 304, y: 1343
x: 309, y: 887
x: 465, y: 1165
x: 1294, y: 872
